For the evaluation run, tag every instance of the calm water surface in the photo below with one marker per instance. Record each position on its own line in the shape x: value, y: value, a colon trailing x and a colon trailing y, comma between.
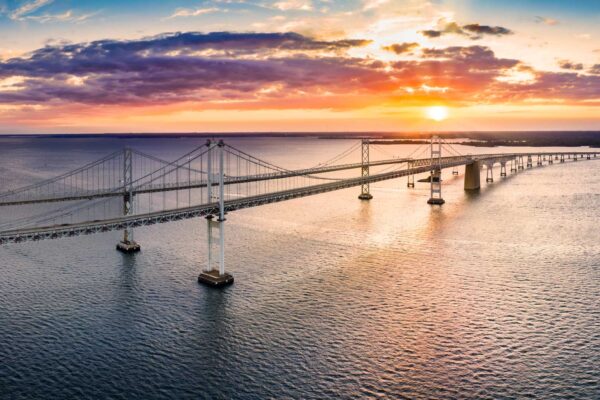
x: 493, y: 295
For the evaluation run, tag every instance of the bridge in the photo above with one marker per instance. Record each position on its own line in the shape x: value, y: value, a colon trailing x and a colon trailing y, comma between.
x: 130, y: 189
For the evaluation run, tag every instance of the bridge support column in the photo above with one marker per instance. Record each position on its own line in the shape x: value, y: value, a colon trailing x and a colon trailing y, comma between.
x: 210, y: 275
x: 364, y: 171
x: 410, y: 177
x: 128, y: 245
x: 588, y: 157
x: 436, y: 172
x: 503, y: 168
x: 529, y: 162
x: 472, y: 176
x: 489, y: 174
x: 520, y: 163
x: 574, y: 157
x: 550, y: 159
x: 513, y: 165
x: 455, y: 171
x: 539, y: 160
x: 562, y: 158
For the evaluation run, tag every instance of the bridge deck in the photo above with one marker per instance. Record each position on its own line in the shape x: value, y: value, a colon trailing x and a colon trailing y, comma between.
x: 120, y: 223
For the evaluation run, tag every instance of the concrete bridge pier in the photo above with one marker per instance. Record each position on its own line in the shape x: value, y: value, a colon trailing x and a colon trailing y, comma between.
x: 550, y: 160
x: 529, y: 162
x: 588, y: 157
x: 513, y: 165
x: 539, y: 160
x: 489, y: 174
x: 210, y: 275
x: 520, y: 162
x: 410, y: 177
x: 562, y: 158
x: 128, y: 245
x: 472, y: 176
x: 503, y: 168
x: 574, y: 157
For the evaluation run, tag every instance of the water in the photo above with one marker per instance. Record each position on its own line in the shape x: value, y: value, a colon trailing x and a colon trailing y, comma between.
x: 493, y: 295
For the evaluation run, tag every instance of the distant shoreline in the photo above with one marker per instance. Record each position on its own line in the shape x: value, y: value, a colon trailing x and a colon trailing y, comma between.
x: 475, y: 139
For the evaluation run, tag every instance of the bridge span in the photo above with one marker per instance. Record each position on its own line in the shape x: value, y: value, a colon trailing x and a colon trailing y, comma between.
x: 223, y: 179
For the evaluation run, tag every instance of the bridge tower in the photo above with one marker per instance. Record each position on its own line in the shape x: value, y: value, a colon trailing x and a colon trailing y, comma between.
x: 128, y: 245
x: 364, y: 171
x: 436, y: 171
x: 210, y: 275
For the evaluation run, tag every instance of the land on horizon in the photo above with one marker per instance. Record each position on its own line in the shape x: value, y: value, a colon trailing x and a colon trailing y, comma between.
x: 483, y: 139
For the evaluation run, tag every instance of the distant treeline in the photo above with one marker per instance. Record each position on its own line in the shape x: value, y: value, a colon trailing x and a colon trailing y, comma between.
x: 482, y: 139
x: 494, y: 139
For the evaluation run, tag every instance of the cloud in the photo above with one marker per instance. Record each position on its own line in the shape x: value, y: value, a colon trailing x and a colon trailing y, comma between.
x: 486, y: 30
x: 190, y: 12
x: 547, y: 21
x: 566, y: 64
x: 401, y: 48
x: 430, y: 33
x: 287, y: 5
x: 67, y: 16
x: 373, y: 4
x: 172, y: 67
x: 225, y: 70
x: 28, y: 8
x: 595, y: 70
x: 473, y: 31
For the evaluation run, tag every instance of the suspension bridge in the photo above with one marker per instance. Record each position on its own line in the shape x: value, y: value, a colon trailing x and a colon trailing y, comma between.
x: 129, y: 189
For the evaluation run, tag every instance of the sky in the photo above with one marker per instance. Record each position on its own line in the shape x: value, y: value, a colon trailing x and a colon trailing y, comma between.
x: 92, y: 66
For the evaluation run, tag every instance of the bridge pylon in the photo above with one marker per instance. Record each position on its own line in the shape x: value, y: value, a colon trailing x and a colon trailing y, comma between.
x: 210, y: 275
x: 364, y: 171
x: 128, y: 245
x: 436, y: 172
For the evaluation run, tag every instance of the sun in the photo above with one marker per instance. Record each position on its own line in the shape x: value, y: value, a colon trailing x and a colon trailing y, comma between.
x: 437, y: 113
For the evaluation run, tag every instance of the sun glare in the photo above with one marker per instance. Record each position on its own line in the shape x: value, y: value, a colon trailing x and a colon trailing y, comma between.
x: 437, y: 113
